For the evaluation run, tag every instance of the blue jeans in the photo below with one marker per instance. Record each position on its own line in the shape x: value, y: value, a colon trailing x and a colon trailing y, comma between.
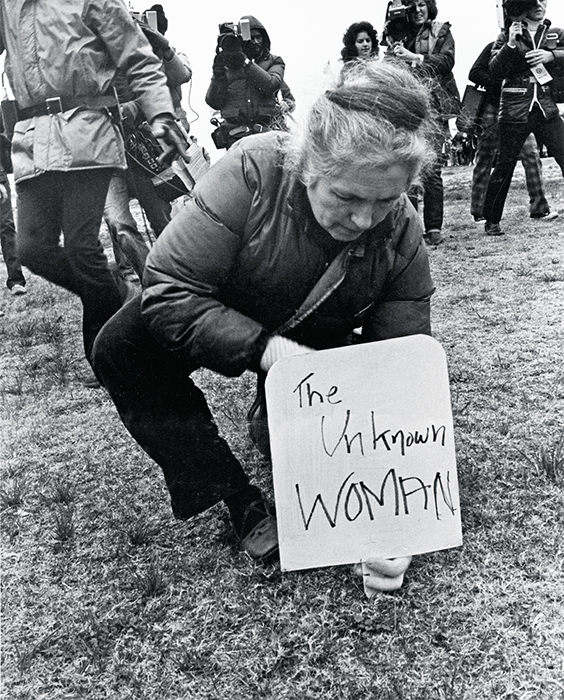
x: 166, y: 413
x: 72, y: 203
x: 8, y: 242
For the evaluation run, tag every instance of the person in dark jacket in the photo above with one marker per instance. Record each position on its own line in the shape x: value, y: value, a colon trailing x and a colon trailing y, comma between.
x: 225, y: 278
x: 245, y: 82
x: 526, y: 57
x: 486, y: 153
x: 428, y: 49
x: 360, y: 42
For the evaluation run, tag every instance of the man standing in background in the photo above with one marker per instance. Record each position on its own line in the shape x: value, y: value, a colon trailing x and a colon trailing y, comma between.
x: 61, y: 61
x: 526, y: 57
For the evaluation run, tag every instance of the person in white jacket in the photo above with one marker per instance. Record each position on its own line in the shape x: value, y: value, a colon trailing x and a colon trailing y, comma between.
x: 61, y: 63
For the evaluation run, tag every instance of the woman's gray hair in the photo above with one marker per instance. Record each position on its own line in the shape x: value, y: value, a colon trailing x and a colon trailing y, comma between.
x: 376, y: 115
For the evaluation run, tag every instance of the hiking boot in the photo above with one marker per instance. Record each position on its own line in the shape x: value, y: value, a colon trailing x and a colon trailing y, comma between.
x: 493, y: 229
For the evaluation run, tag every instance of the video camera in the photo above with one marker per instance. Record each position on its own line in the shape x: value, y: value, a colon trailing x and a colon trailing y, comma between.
x: 149, y: 18
x: 233, y: 35
x: 397, y: 24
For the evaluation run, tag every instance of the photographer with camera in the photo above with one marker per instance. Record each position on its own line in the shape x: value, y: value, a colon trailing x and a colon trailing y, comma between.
x: 415, y: 37
x: 488, y: 139
x: 529, y: 58
x: 245, y: 82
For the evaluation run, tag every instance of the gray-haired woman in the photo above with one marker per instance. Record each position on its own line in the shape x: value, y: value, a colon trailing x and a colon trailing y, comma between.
x: 273, y: 220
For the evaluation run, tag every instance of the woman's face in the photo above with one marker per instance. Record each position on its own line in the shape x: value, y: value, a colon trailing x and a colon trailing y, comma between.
x: 354, y: 200
x: 363, y: 45
x: 418, y: 13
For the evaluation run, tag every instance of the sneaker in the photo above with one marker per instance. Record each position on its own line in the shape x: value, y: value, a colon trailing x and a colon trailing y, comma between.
x: 548, y: 216
x: 433, y: 237
x: 479, y: 219
x: 493, y: 229
x: 17, y: 290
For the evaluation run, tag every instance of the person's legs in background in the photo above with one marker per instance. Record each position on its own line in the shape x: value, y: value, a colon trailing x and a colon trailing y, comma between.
x: 433, y: 203
x: 484, y: 160
x: 511, y: 139
x: 71, y: 202
x: 433, y: 192
x: 130, y: 249
x: 551, y: 133
x: 141, y: 187
x: 538, y: 204
x: 16, y: 279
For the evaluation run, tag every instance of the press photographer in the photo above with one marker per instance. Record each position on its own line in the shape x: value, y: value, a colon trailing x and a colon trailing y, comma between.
x: 528, y: 56
x: 245, y: 82
x: 417, y: 39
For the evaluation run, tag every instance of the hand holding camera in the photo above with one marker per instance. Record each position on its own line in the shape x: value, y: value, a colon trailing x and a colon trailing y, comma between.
x: 515, y: 33
x: 167, y: 132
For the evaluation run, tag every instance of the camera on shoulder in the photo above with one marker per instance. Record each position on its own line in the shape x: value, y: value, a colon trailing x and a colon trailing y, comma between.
x: 516, y: 8
x: 397, y: 23
x: 149, y: 18
x: 233, y: 35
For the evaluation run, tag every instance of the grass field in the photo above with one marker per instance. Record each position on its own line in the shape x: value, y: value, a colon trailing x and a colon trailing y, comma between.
x: 106, y: 596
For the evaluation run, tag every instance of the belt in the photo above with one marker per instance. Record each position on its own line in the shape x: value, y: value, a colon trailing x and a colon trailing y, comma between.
x: 58, y: 105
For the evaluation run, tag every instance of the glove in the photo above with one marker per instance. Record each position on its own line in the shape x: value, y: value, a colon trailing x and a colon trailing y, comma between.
x: 234, y: 59
x: 156, y: 39
x: 219, y: 66
x: 278, y: 347
x: 165, y: 129
x: 129, y: 112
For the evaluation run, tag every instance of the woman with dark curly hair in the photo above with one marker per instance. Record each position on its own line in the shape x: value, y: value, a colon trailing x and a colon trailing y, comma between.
x: 360, y: 42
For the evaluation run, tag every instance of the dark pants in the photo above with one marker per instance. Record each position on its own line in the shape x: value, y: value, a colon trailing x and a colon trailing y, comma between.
x: 166, y: 413
x: 140, y: 186
x: 71, y: 203
x: 433, y: 197
x: 8, y: 242
x: 511, y: 139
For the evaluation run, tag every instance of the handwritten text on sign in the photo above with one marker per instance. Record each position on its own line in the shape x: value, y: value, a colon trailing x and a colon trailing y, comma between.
x: 363, y: 453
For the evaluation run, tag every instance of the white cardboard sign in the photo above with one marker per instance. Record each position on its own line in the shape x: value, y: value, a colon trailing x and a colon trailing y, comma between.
x: 363, y: 453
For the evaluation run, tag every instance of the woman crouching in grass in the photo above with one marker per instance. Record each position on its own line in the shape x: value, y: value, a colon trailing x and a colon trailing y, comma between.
x: 225, y: 278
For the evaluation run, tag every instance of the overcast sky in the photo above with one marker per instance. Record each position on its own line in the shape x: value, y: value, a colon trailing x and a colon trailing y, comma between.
x: 308, y: 35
